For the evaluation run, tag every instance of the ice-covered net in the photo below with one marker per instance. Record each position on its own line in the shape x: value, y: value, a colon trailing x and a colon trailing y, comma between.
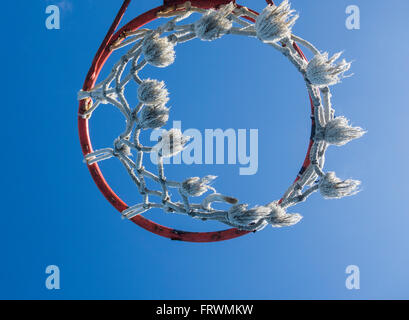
x: 156, y: 47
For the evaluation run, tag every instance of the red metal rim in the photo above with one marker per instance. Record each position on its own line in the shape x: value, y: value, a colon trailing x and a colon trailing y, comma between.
x: 100, y: 58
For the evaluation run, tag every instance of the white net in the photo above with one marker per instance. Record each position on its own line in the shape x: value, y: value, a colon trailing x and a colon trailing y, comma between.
x: 156, y: 47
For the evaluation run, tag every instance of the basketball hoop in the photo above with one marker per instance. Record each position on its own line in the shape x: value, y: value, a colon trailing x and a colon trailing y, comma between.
x: 155, y: 47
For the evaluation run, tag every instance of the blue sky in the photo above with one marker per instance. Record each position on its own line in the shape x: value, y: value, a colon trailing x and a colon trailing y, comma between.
x: 54, y: 214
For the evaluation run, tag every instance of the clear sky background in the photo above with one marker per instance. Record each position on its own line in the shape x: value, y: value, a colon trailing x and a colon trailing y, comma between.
x: 52, y: 213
